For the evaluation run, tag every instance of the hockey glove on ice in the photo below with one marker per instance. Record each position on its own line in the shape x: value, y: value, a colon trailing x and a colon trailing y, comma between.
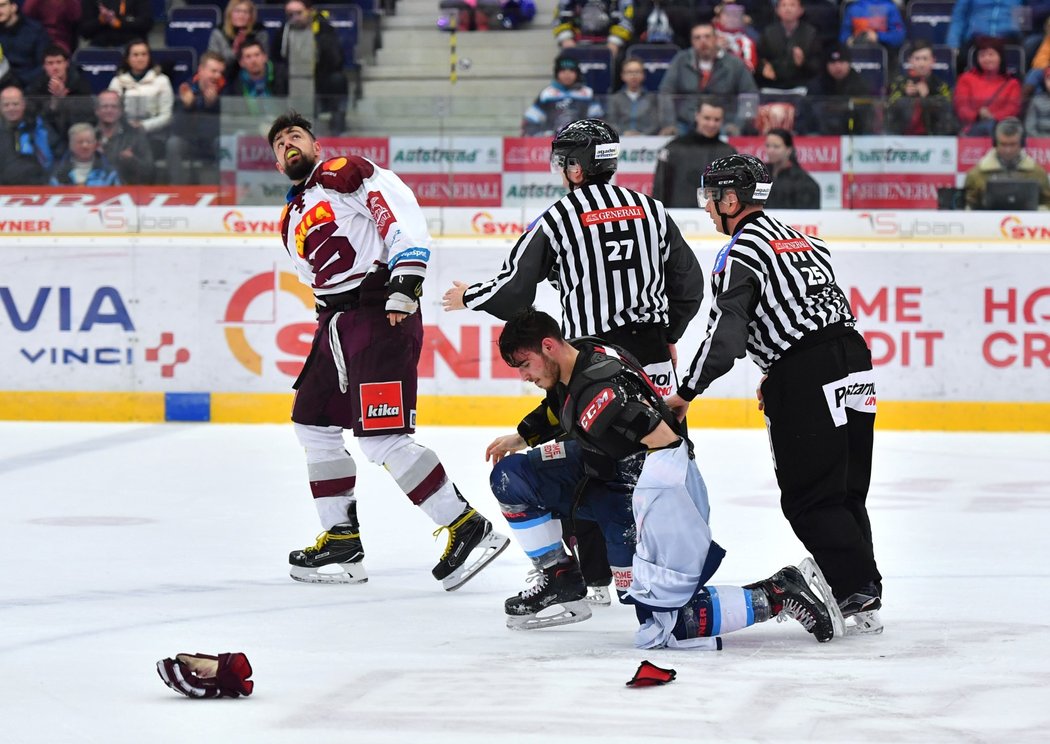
x: 204, y: 676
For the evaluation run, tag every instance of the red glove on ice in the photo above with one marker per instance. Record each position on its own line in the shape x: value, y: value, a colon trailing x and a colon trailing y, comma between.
x: 649, y: 674
x: 204, y: 676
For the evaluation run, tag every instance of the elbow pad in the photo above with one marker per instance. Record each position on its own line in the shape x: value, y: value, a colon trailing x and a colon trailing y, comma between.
x: 403, y: 293
x: 636, y: 421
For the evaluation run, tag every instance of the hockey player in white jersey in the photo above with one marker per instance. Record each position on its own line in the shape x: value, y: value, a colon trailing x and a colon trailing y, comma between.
x: 359, y: 240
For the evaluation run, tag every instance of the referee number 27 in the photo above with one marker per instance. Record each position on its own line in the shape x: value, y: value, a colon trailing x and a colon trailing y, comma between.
x: 620, y: 250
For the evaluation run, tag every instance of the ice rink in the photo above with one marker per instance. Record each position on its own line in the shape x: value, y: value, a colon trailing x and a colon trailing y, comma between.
x: 124, y: 544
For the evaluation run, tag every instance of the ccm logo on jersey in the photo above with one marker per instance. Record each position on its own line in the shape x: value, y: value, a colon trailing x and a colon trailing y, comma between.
x: 319, y: 214
x: 856, y: 392
x: 381, y: 406
x: 613, y: 214
x: 793, y: 245
x: 381, y: 212
x: 601, y: 400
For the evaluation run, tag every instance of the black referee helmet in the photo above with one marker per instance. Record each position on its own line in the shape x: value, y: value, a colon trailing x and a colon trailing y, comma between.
x: 590, y: 143
x: 745, y: 174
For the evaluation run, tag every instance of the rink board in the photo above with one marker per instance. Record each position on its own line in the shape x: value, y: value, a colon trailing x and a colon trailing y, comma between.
x: 184, y: 327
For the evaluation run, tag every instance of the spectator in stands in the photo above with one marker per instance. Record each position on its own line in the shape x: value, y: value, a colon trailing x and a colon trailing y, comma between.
x: 1037, y: 120
x: 633, y: 110
x: 789, y: 50
x: 25, y: 140
x: 867, y: 22
x: 309, y: 49
x: 257, y: 75
x: 124, y: 146
x: 595, y: 21
x: 83, y: 164
x: 60, y: 19
x: 193, y: 147
x: 920, y: 102
x: 839, y: 101
x: 1040, y: 61
x: 972, y: 19
x: 115, y: 23
x: 7, y: 77
x: 705, y: 70
x: 146, y: 91
x: 565, y: 100
x: 680, y: 163
x: 1007, y: 160
x: 735, y: 34
x: 63, y: 96
x: 23, y: 41
x: 240, y: 24
x: 793, y: 188
x: 985, y: 93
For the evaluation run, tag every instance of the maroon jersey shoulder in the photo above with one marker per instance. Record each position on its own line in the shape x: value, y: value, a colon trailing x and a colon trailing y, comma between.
x: 343, y: 174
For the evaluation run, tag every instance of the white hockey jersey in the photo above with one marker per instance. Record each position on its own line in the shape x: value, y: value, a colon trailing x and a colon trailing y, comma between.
x: 348, y: 219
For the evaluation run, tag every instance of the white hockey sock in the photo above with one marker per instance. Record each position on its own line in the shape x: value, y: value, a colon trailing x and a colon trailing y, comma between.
x: 731, y: 608
x: 332, y: 472
x: 419, y: 473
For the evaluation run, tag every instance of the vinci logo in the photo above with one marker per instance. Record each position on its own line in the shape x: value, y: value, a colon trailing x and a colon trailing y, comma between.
x: 264, y: 292
x: 234, y: 222
x: 318, y: 215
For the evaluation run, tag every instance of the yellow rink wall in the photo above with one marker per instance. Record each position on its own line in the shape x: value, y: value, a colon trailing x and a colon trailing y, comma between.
x: 450, y: 410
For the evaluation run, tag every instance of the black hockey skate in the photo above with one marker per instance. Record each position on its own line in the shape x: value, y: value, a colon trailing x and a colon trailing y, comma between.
x: 557, y: 597
x: 862, y: 607
x: 791, y: 597
x: 472, y: 544
x: 336, y: 558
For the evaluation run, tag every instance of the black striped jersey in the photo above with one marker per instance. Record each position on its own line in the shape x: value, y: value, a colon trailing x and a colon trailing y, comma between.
x: 614, y: 255
x: 771, y: 285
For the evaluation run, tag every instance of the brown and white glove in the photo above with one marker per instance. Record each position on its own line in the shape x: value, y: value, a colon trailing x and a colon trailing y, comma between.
x: 205, y: 676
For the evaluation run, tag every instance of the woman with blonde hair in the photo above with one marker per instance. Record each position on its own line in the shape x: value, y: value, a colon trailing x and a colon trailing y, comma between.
x: 240, y: 25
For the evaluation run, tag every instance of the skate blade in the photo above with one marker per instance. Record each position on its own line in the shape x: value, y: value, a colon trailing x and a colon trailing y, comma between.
x: 815, y: 579
x: 598, y: 596
x: 865, y: 623
x: 565, y: 613
x: 486, y: 551
x: 346, y: 573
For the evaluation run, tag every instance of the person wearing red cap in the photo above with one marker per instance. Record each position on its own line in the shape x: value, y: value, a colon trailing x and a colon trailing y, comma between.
x: 985, y: 93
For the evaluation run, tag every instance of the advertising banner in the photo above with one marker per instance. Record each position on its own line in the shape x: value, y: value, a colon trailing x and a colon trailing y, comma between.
x: 229, y: 315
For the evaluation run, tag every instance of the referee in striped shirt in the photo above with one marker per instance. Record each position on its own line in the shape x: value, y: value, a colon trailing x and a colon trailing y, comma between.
x: 774, y: 298
x: 623, y: 271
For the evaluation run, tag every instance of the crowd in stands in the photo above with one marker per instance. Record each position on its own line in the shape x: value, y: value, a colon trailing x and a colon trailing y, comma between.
x: 143, y: 128
x: 780, y: 68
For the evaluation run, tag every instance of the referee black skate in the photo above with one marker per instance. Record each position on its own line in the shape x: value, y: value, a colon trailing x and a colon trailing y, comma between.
x: 623, y: 272
x: 775, y: 299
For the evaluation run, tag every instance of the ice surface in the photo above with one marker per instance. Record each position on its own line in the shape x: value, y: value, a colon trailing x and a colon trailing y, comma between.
x: 124, y: 544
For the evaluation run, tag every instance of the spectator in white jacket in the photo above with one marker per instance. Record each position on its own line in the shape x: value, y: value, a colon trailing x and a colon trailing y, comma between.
x: 145, y: 90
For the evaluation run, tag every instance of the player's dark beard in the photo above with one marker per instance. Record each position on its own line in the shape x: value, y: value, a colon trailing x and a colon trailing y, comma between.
x: 301, y: 168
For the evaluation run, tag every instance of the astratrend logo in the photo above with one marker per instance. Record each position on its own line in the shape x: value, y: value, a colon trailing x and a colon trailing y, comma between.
x: 607, y: 151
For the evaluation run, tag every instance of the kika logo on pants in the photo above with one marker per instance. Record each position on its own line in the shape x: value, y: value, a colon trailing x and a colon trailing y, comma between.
x: 383, y: 410
x: 382, y: 406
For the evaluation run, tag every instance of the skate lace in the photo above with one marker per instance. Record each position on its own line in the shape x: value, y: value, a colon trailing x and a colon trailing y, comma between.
x: 796, y: 611
x: 538, y: 579
x: 321, y: 540
x: 451, y: 529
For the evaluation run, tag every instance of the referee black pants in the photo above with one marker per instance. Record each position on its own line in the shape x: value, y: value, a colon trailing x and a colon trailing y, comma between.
x: 819, y: 406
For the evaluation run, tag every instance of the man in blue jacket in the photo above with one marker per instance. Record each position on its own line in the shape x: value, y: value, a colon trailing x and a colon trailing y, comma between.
x: 23, y: 41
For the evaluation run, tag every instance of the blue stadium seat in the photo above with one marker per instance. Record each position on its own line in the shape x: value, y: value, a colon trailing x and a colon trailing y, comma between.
x: 943, y: 62
x: 191, y: 27
x: 655, y: 58
x: 178, y: 63
x: 871, y: 63
x: 272, y: 19
x: 346, y: 20
x: 929, y: 20
x: 98, y: 66
x: 595, y: 64
x: 1013, y: 56
x: 160, y: 10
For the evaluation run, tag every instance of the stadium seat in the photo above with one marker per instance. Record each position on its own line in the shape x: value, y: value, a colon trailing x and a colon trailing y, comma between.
x: 595, y: 64
x: 346, y: 20
x: 178, y: 63
x: 655, y: 58
x: 98, y: 66
x: 272, y: 19
x: 870, y: 62
x: 1013, y: 56
x: 943, y: 62
x: 929, y: 20
x: 191, y: 27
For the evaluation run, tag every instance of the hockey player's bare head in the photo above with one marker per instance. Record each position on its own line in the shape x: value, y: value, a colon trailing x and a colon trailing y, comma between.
x: 533, y: 344
x: 294, y: 145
